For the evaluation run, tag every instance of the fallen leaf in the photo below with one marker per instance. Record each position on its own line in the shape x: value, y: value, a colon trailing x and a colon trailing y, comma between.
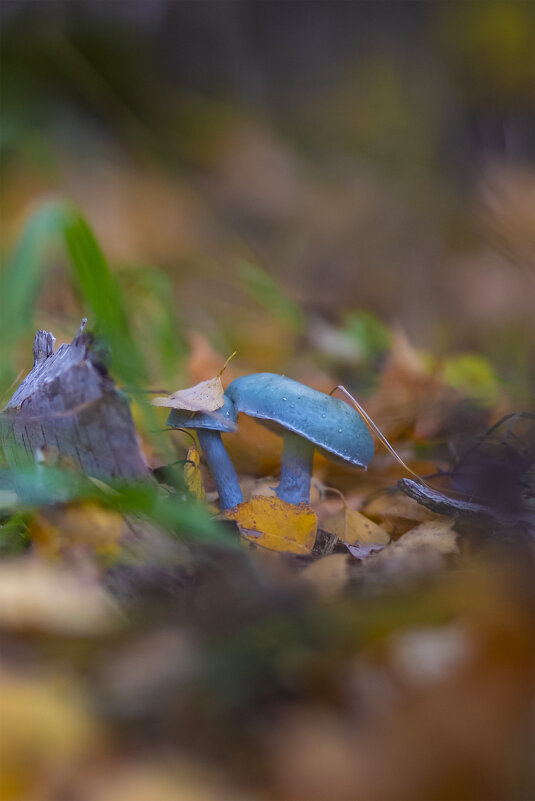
x: 86, y: 525
x: 354, y: 528
x: 46, y: 728
x: 39, y: 596
x: 275, y: 524
x: 363, y: 551
x: 204, y: 397
x: 437, y: 534
x: 418, y: 551
x: 327, y: 575
x: 193, y: 475
x: 397, y: 513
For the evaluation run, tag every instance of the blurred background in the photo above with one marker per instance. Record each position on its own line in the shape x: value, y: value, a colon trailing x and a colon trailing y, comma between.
x: 373, y: 156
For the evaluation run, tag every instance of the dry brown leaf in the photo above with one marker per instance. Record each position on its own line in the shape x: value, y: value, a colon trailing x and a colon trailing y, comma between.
x: 39, y: 596
x: 327, y: 575
x: 204, y: 397
x: 437, y: 534
x: 398, y: 513
x: 363, y: 551
x: 354, y: 528
x: 276, y: 525
x: 419, y: 550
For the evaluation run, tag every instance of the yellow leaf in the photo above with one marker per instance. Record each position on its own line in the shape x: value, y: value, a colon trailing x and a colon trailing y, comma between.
x: 78, y: 525
x: 472, y: 375
x: 192, y: 474
x: 46, y: 728
x: 354, y: 528
x: 204, y: 397
x: 276, y: 525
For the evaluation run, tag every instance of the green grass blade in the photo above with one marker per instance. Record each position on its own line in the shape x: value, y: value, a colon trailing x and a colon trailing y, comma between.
x: 55, y: 223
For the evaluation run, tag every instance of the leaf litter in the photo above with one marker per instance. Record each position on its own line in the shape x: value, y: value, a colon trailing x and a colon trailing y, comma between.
x: 341, y: 647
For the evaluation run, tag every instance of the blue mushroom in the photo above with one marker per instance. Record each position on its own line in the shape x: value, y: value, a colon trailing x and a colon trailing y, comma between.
x: 209, y: 426
x: 307, y: 419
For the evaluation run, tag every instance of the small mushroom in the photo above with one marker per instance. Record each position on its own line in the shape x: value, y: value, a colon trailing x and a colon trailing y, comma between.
x: 209, y: 426
x: 307, y: 419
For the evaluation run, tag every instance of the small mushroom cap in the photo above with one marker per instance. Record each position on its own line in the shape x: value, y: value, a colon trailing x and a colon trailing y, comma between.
x: 332, y: 425
x: 223, y: 419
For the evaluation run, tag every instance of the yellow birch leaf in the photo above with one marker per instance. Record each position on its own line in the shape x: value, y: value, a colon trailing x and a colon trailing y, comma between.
x: 275, y: 524
x: 192, y: 474
x: 204, y: 397
x: 354, y: 528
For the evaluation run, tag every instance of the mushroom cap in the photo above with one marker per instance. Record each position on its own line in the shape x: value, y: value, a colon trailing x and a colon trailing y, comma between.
x: 223, y: 419
x: 332, y: 425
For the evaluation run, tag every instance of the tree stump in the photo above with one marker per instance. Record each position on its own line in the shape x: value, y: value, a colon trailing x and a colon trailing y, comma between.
x: 68, y: 406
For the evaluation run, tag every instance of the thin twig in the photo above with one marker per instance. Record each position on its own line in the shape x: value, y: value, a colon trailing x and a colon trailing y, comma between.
x: 371, y: 425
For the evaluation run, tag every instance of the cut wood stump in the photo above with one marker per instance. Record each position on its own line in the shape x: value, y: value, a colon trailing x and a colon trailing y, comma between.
x: 68, y: 406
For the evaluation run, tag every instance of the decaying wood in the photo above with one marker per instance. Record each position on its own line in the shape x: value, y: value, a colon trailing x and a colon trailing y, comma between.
x: 442, y: 504
x: 69, y: 407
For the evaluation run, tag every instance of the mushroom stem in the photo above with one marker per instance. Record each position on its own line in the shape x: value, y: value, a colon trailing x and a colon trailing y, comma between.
x: 221, y: 468
x: 296, y: 469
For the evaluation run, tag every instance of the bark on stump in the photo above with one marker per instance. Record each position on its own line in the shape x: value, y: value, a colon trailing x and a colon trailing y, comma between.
x: 68, y: 405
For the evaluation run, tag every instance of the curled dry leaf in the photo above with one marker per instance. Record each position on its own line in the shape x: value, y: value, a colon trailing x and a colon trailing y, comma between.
x: 363, y: 551
x: 276, y: 525
x: 204, y: 397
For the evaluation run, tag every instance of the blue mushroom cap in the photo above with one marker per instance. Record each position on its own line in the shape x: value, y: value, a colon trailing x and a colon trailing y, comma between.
x: 223, y: 419
x: 332, y: 425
